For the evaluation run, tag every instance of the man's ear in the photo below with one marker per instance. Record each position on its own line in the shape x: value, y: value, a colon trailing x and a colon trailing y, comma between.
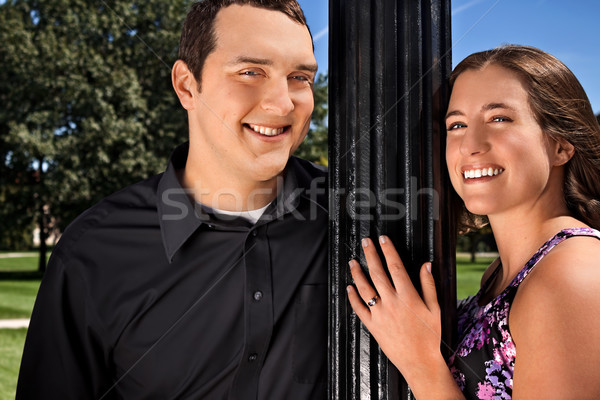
x: 563, y: 152
x: 184, y: 84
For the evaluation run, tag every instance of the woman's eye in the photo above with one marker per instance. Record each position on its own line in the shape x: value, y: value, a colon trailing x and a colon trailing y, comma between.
x: 457, y: 125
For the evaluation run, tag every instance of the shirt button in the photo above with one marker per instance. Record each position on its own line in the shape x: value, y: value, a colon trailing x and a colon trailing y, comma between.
x: 252, y: 357
x: 258, y: 295
x: 254, y: 233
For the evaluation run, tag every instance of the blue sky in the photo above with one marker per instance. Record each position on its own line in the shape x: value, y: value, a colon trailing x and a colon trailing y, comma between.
x: 570, y: 30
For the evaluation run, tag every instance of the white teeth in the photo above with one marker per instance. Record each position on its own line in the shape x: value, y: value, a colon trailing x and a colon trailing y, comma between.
x: 263, y: 130
x: 478, y: 173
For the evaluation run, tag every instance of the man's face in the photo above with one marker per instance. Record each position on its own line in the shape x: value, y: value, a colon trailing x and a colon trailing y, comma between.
x: 256, y: 95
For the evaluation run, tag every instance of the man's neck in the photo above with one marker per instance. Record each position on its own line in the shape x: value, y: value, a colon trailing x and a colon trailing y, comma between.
x: 230, y: 194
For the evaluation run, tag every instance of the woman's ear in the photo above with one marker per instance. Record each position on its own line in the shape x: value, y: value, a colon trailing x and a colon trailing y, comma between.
x: 563, y: 152
x: 184, y: 84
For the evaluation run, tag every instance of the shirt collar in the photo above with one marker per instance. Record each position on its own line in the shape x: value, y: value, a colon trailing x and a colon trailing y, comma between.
x: 179, y: 217
x: 176, y: 212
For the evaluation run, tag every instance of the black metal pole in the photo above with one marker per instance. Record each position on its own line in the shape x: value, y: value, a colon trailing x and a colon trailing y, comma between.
x: 389, y: 61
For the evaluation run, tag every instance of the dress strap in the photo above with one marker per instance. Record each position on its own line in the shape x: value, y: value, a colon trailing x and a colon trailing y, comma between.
x: 549, y: 245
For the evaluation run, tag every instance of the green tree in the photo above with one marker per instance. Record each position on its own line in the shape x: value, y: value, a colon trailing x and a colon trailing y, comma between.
x: 477, y: 240
x: 87, y: 105
x: 314, y: 147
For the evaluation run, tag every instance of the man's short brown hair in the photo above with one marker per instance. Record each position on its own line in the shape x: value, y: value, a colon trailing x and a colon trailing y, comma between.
x: 198, y: 35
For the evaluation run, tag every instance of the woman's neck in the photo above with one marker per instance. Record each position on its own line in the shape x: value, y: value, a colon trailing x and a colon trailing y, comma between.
x: 518, y: 237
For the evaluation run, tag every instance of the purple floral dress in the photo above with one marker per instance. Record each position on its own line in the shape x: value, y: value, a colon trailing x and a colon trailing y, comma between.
x: 484, y: 360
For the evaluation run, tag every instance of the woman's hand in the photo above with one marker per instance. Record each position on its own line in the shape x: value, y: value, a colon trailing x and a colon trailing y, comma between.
x: 407, y: 328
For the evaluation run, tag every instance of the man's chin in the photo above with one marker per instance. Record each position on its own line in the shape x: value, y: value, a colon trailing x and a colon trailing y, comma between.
x: 268, y: 173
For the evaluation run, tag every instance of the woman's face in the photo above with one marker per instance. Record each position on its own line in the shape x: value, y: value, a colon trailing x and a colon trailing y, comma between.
x: 498, y: 157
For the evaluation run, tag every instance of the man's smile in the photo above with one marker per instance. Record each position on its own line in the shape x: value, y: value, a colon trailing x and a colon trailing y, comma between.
x: 267, y: 131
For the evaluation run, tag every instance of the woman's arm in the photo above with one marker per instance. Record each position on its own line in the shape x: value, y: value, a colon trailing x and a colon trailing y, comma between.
x: 407, y: 328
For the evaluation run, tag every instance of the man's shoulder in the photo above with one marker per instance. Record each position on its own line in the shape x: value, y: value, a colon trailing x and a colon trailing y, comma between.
x: 307, y: 171
x: 312, y: 180
x: 114, y: 211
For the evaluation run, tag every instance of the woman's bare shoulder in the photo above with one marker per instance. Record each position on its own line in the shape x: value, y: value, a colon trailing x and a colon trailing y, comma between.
x: 568, y: 273
x: 555, y: 321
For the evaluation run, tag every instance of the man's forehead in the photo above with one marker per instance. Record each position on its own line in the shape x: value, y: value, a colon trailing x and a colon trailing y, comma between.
x: 244, y: 17
x: 253, y: 32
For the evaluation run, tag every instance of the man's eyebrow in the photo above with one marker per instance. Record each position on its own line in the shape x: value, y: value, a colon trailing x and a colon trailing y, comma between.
x: 251, y: 60
x: 266, y: 61
x: 308, y: 67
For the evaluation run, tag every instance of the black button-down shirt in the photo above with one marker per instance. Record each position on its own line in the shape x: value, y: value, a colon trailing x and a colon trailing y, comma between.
x: 147, y: 296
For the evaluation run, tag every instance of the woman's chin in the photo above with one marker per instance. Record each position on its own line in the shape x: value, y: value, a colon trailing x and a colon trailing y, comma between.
x: 478, y: 208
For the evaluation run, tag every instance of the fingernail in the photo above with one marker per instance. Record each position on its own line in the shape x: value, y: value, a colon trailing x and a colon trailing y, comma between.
x: 351, y: 263
x: 428, y: 267
x: 365, y: 243
x: 382, y: 239
x: 348, y: 288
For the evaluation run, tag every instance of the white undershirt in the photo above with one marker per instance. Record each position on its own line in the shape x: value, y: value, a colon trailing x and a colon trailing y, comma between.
x: 251, y: 215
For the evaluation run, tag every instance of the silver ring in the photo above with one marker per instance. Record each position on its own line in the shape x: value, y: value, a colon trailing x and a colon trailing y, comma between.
x: 373, y: 301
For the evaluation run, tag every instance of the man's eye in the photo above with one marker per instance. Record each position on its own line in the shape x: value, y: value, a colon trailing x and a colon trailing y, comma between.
x: 501, y: 119
x: 249, y: 73
x: 302, y: 79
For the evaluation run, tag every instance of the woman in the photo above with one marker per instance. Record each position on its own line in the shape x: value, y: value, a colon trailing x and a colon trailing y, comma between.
x: 523, y: 149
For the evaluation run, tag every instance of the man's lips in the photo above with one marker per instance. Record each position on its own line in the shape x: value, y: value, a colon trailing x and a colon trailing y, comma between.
x: 266, y: 130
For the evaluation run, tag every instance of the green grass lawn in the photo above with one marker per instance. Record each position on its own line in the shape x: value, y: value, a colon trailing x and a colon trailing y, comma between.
x: 18, y: 263
x: 19, y: 283
x: 11, y: 347
x: 468, y: 276
x: 17, y: 298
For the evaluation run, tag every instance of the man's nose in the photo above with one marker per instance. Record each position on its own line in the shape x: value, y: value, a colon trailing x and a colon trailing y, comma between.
x: 277, y: 98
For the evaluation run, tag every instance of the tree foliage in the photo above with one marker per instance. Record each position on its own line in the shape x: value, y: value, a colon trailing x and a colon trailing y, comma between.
x: 480, y: 240
x: 88, y: 107
x: 314, y: 147
x: 87, y: 104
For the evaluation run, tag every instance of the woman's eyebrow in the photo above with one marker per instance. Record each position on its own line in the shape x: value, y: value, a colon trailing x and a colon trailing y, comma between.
x: 493, y: 106
x: 485, y: 107
x: 454, y: 113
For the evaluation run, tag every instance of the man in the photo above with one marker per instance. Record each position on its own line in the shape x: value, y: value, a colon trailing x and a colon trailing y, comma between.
x: 208, y: 281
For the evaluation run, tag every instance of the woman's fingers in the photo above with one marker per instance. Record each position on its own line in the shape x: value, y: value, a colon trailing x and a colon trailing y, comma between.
x: 395, y: 266
x: 380, y: 280
x: 358, y: 305
x: 402, y: 282
x: 428, y: 288
x: 365, y: 290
